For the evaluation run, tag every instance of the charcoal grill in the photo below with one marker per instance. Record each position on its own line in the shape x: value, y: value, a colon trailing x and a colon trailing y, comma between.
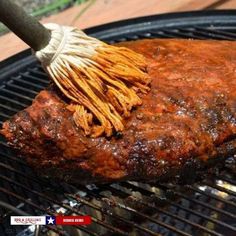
x: 127, y: 208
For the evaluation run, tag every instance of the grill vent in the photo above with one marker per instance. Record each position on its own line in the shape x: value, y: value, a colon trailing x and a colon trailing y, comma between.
x: 129, y: 208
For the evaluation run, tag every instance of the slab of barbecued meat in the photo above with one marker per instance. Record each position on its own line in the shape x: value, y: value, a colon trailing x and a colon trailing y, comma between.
x: 187, y: 121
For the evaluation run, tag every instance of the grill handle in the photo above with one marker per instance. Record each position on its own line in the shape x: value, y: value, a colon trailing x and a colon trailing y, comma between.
x: 23, y: 25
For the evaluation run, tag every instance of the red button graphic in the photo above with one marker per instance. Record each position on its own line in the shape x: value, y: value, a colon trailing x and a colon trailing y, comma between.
x: 73, y: 220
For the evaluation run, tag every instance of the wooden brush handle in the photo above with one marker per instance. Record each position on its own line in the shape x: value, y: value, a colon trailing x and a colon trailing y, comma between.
x: 23, y: 25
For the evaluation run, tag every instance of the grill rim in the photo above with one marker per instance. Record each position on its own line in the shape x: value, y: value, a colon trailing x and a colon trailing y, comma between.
x: 144, y: 22
x: 11, y: 65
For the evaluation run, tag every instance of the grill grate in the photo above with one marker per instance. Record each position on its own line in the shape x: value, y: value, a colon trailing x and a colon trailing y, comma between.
x: 128, y: 208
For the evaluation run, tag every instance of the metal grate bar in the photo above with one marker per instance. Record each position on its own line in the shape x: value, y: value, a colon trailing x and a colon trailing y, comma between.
x: 73, y: 210
x: 222, y: 189
x: 34, y: 205
x: 5, y: 156
x: 26, y: 176
x: 147, y: 217
x: 206, y: 34
x: 40, y: 69
x: 22, y: 213
x: 40, y: 72
x: 173, y: 34
x: 158, y: 209
x: 98, y: 208
x: 182, y: 34
x: 218, y: 222
x: 15, y: 102
x: 184, y: 208
x: 192, y: 34
x: 59, y: 231
x: 225, y: 34
x: 226, y: 179
x: 82, y: 228
x: 158, y: 222
x: 210, y: 195
x: 11, y: 209
x: 33, y: 85
x: 200, y: 203
x: 67, y: 206
x: 20, y: 88
x: 8, y: 108
x: 4, y: 115
x: 45, y: 81
x: 7, y: 91
x: 174, y: 229
x: 5, y: 166
x: 4, y: 143
x: 49, y: 199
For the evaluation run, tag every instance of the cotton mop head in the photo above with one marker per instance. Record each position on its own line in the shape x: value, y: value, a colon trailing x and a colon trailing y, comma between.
x: 102, y: 81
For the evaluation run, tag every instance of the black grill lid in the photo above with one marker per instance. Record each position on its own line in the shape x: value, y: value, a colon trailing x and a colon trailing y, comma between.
x: 129, y: 208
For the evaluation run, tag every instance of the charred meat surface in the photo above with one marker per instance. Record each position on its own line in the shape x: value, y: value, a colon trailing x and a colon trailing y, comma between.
x: 186, y: 121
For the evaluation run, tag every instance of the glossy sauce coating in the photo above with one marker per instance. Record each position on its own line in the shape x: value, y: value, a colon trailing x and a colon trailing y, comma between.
x: 188, y: 117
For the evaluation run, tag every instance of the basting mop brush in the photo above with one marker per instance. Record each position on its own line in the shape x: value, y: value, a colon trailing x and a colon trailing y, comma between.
x: 101, y: 81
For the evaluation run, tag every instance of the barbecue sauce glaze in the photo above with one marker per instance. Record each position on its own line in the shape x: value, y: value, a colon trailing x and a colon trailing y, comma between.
x: 186, y: 120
